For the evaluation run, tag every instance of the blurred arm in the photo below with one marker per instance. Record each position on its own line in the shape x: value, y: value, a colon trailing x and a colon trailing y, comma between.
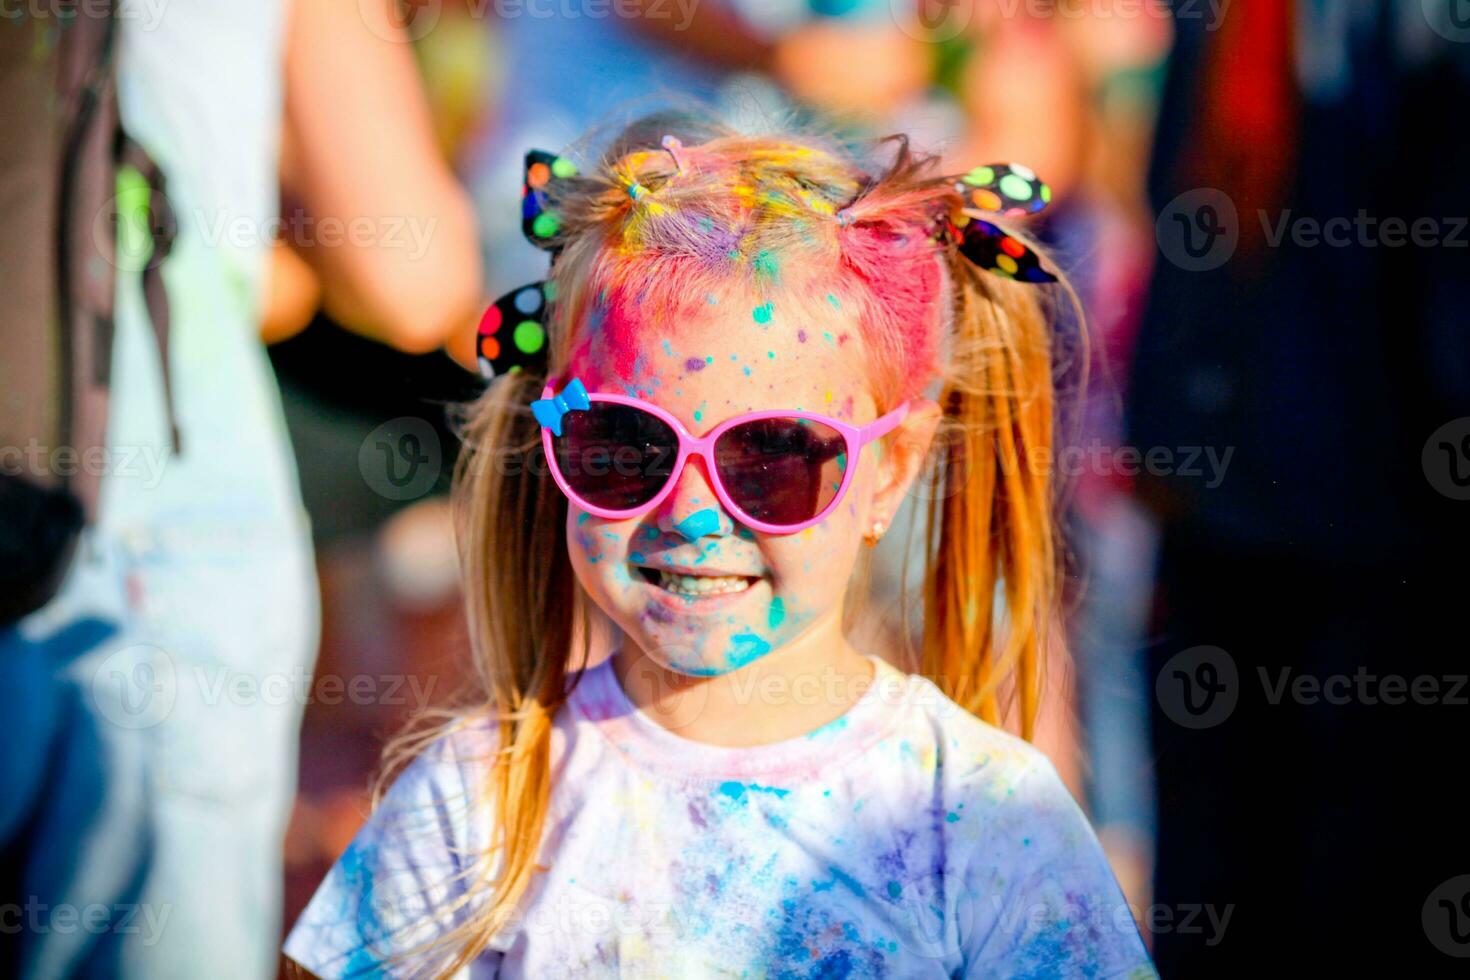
x: 388, y: 230
x: 707, y: 31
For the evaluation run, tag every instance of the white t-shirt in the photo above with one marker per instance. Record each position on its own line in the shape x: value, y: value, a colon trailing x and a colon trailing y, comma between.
x: 904, y: 839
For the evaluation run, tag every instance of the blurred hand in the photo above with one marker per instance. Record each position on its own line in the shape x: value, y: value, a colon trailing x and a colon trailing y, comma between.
x: 852, y: 69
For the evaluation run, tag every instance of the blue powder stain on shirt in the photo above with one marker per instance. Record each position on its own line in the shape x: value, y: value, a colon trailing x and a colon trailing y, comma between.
x: 951, y: 817
x: 777, y: 613
x: 831, y: 728
x: 838, y: 875
x: 698, y: 524
x: 894, y: 889
x: 833, y: 967
x: 745, y: 647
x: 735, y: 790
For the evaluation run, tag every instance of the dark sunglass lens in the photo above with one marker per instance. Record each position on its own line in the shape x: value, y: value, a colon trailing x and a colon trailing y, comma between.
x: 781, y: 471
x: 615, y: 456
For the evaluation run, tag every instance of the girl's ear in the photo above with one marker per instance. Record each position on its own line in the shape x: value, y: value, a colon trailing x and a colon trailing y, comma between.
x: 904, y: 454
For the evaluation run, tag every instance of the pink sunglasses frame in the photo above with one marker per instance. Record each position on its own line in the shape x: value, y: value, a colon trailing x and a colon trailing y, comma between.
x: 703, y: 446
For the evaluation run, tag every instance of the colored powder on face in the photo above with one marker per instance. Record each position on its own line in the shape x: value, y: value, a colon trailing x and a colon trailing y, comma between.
x: 747, y: 370
x: 711, y: 299
x: 694, y: 364
x: 582, y: 518
x: 745, y: 647
x: 836, y: 303
x: 777, y: 613
x: 698, y: 524
x: 801, y: 336
x: 699, y: 414
x: 637, y: 556
x: 765, y: 264
x: 651, y: 533
x: 668, y: 348
x: 762, y: 313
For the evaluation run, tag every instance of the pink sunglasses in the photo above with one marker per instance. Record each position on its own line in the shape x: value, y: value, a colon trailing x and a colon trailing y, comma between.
x: 775, y: 472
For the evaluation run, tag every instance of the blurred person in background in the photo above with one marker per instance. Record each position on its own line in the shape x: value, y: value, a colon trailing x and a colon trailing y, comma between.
x: 1308, y: 317
x: 152, y: 775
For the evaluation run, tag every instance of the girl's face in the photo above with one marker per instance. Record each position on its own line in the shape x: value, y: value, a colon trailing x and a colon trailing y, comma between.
x: 651, y: 574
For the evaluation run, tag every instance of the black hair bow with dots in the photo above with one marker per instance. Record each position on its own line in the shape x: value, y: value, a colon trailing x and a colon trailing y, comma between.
x: 512, y: 333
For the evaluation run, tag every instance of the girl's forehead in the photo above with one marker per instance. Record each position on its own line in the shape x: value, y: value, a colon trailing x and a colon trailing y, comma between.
x: 728, y: 356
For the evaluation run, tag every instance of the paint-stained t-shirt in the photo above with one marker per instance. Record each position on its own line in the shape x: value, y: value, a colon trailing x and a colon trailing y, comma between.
x: 906, y: 838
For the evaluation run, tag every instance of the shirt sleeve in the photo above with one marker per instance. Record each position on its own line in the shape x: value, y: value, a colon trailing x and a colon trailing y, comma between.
x: 1039, y: 898
x: 403, y: 881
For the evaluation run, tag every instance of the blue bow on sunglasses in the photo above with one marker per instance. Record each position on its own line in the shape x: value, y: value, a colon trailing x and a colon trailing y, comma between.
x: 549, y: 411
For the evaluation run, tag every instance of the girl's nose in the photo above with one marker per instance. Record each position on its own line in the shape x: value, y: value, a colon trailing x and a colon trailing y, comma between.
x: 692, y: 510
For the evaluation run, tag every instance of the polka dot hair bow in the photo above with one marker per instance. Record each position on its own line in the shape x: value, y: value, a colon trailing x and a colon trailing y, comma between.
x: 1007, y: 190
x: 512, y: 333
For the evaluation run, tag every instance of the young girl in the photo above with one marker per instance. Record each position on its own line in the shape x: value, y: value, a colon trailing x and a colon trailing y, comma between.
x: 696, y: 426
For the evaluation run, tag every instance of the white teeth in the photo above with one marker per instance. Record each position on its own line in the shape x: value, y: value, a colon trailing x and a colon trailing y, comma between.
x: 702, y: 584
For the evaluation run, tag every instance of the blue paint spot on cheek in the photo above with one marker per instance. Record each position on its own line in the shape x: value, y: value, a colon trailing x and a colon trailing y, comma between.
x: 745, y: 647
x: 777, y: 613
x: 698, y: 524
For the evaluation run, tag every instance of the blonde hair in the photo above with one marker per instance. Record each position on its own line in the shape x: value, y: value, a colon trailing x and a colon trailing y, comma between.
x: 650, y: 228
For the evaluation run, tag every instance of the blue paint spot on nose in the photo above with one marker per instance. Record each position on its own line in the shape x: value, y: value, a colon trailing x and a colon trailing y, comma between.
x: 698, y: 524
